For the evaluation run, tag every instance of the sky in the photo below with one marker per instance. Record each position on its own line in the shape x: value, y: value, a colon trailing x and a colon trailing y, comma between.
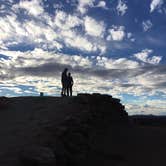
x: 114, y: 47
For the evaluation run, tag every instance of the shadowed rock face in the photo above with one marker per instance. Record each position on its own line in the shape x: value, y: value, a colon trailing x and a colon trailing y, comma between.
x: 70, y: 140
x: 89, y: 129
x: 103, y: 107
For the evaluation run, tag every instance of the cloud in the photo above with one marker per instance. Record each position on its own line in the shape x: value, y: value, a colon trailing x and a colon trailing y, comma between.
x: 155, y: 41
x: 41, y: 70
x: 116, y: 33
x: 50, y: 32
x: 81, y: 43
x: 66, y: 21
x: 102, y: 4
x: 130, y: 37
x: 144, y: 57
x: 93, y: 27
x: 146, y: 107
x: 83, y: 5
x: 121, y: 7
x: 146, y: 25
x: 75, y: 40
x: 14, y: 33
x: 121, y: 63
x: 155, y: 4
x: 34, y: 7
x: 31, y: 41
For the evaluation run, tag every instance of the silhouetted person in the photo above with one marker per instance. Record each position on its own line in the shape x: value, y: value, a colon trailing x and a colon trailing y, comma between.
x: 70, y: 83
x: 64, y: 80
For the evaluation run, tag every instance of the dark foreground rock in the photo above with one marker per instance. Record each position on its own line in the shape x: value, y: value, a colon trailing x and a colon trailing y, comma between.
x: 36, y: 155
x: 69, y: 143
x: 89, y: 129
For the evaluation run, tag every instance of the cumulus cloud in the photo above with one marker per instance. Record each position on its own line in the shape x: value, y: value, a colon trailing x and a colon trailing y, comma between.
x: 116, y: 33
x: 121, y: 7
x: 66, y: 21
x: 31, y: 41
x: 49, y: 32
x: 34, y: 7
x: 41, y: 70
x: 13, y: 33
x: 155, y: 4
x: 146, y: 25
x: 83, y: 5
x: 121, y: 63
x: 93, y: 27
x: 81, y: 43
x: 144, y: 57
x: 102, y: 4
x: 41, y: 63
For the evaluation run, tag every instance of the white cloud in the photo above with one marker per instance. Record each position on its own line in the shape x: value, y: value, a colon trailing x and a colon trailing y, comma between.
x: 94, y: 28
x: 146, y: 107
x: 102, y: 4
x: 80, y: 43
x: 155, y: 4
x: 146, y: 25
x: 58, y: 6
x: 2, y: 6
x: 52, y: 33
x: 83, y: 5
x: 66, y: 21
x: 116, y: 33
x: 33, y: 7
x: 130, y: 37
x: 121, y: 7
x: 30, y: 32
x: 121, y: 63
x: 144, y: 57
x: 41, y: 70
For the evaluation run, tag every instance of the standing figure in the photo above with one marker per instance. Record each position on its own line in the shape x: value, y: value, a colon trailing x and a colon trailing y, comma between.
x: 69, y: 84
x: 64, y: 80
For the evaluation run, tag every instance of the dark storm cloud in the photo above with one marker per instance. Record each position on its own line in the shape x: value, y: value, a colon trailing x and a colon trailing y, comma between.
x: 161, y: 85
x: 128, y: 85
x: 52, y: 69
x: 48, y: 69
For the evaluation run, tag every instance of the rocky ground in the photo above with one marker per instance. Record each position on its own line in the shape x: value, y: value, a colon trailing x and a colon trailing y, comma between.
x: 83, y: 130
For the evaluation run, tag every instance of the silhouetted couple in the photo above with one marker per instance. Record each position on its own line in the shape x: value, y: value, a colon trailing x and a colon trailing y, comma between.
x: 67, y: 83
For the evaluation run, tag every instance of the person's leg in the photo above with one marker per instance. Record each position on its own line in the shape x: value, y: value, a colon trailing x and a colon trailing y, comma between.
x: 70, y: 90
x: 67, y: 90
x: 62, y: 92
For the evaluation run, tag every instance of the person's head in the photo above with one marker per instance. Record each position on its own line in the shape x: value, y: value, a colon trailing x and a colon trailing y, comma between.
x: 66, y: 69
x: 69, y: 74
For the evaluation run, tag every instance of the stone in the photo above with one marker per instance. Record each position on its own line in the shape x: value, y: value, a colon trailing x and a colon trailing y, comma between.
x: 37, y: 156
